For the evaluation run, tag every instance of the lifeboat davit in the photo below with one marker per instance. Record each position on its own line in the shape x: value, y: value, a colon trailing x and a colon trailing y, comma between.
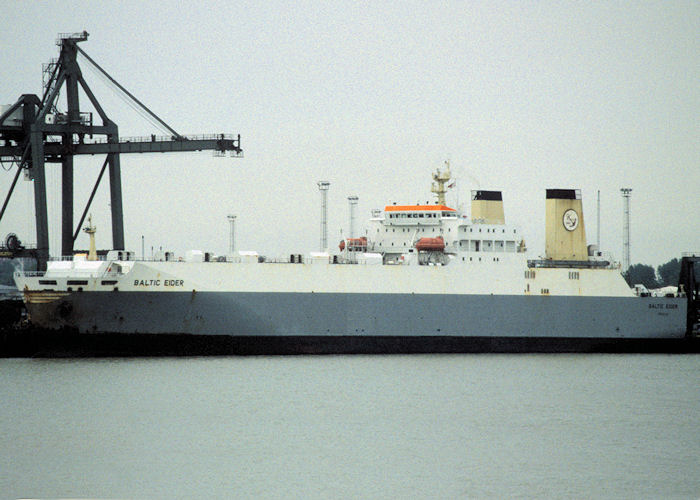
x: 431, y: 244
x: 354, y: 244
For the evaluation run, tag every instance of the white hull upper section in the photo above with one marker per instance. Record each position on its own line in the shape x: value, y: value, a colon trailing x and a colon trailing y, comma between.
x: 508, y: 276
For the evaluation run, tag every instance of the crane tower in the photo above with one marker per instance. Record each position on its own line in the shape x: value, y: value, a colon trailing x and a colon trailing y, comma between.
x: 34, y: 132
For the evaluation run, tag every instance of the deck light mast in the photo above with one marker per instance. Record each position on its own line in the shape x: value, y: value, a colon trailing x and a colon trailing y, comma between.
x: 626, y: 192
x: 352, y: 202
x: 232, y: 232
x: 323, y: 187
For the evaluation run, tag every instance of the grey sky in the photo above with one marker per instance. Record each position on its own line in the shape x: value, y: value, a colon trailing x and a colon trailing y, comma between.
x: 519, y: 96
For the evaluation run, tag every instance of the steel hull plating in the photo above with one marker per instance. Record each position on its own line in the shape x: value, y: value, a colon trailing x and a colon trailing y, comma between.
x: 299, y: 315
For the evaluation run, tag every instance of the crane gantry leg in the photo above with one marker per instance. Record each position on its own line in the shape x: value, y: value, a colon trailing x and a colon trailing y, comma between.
x: 44, y: 134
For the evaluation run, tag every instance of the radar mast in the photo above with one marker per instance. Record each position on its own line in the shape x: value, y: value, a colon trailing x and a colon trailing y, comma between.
x: 90, y: 229
x: 441, y: 178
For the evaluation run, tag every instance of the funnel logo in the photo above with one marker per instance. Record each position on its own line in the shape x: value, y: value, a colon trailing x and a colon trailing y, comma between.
x: 570, y: 220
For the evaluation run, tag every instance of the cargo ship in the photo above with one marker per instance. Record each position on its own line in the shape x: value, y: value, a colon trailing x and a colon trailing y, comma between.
x: 422, y: 278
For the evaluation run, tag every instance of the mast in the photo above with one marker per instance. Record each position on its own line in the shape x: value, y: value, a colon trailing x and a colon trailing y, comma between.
x: 90, y: 229
x: 441, y: 178
x: 598, y: 223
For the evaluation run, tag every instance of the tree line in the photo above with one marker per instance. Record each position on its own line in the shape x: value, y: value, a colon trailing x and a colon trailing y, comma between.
x: 664, y: 275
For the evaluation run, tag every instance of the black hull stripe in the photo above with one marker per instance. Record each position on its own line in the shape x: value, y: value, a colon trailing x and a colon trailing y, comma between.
x: 41, y: 343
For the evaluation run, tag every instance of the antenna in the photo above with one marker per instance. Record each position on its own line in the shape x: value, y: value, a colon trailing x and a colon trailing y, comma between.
x: 232, y: 232
x: 323, y: 187
x: 352, y: 202
x: 626, y: 192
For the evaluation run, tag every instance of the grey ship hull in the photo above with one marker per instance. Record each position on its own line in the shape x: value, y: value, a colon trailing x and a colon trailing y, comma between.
x: 222, y: 323
x: 242, y: 314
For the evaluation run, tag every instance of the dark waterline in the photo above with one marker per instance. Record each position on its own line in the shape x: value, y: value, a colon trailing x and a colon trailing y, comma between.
x: 30, y: 343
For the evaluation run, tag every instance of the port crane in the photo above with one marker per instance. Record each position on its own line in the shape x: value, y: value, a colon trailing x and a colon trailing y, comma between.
x: 34, y: 132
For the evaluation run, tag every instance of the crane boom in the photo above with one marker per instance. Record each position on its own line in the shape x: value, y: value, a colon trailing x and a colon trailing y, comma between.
x: 33, y: 132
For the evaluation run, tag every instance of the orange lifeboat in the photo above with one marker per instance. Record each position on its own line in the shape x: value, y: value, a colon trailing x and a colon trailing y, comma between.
x: 354, y: 244
x: 431, y: 244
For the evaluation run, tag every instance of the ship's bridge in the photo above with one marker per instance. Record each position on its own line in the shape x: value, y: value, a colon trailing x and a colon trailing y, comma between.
x: 416, y: 215
x: 397, y: 230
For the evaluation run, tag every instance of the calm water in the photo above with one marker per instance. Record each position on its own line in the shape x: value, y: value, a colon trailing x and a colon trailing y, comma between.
x: 352, y: 426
